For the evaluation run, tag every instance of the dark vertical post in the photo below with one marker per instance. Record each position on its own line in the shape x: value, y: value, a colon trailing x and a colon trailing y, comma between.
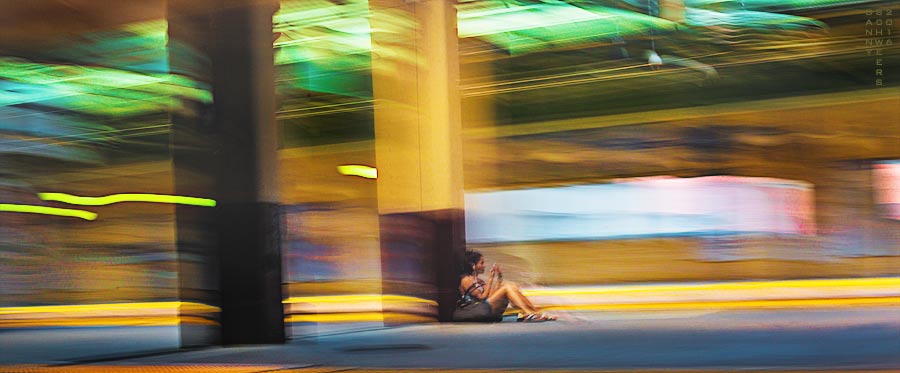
x: 229, y: 256
x: 249, y: 229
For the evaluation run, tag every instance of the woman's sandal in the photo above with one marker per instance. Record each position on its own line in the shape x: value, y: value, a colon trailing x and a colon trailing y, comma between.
x: 533, y: 317
x: 547, y: 317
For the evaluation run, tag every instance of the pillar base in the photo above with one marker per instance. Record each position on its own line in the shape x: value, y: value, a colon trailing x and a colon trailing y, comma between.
x: 250, y: 252
x: 420, y: 253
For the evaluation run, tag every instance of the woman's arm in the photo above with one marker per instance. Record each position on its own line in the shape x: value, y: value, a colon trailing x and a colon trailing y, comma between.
x: 467, y: 282
x: 490, y: 286
x: 495, y: 272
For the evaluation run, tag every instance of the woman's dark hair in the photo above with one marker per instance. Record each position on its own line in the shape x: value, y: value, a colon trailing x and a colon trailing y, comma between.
x: 472, y: 257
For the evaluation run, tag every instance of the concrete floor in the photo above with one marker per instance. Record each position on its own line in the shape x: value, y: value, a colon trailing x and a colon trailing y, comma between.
x: 850, y: 338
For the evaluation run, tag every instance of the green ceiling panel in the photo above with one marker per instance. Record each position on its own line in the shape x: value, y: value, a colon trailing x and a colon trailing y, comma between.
x: 324, y: 47
x: 531, y: 28
x: 93, y: 90
x: 331, y: 43
x: 750, y: 19
x: 779, y: 5
x: 322, y: 78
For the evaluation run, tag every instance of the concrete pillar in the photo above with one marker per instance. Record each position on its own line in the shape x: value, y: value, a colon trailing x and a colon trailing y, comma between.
x: 193, y: 160
x: 249, y: 222
x: 481, y: 158
x: 415, y: 69
x: 230, y: 256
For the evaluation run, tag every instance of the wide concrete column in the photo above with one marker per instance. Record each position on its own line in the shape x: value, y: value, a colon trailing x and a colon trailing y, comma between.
x: 193, y: 160
x: 481, y: 157
x: 415, y: 68
x: 230, y: 256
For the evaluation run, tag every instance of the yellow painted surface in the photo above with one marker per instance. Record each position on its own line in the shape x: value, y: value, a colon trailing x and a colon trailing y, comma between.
x: 110, y: 314
x: 105, y: 321
x: 385, y: 299
x: 743, y: 304
x: 359, y: 317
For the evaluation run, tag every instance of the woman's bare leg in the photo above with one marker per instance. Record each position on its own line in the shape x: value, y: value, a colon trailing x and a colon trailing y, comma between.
x: 515, y: 288
x: 512, y: 292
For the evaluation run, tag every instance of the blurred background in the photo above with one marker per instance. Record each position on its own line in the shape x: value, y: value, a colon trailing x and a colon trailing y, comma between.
x: 580, y: 143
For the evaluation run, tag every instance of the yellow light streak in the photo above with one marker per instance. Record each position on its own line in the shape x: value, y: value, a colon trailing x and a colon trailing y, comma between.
x: 126, y: 197
x: 109, y: 314
x: 812, y: 297
x: 44, y: 210
x: 106, y: 307
x: 726, y: 286
x: 736, y: 304
x: 353, y: 298
x: 358, y: 170
x: 107, y: 321
x: 358, y: 317
x: 247, y: 368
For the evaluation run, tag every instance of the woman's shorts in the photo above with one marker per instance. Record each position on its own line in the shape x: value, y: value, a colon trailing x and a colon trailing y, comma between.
x: 478, y: 312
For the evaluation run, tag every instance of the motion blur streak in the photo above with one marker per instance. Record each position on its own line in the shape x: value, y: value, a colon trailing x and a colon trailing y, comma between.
x: 358, y: 298
x: 205, y: 368
x: 126, y: 197
x: 349, y: 317
x: 738, y: 304
x: 32, y: 209
x: 211, y: 368
x: 119, y: 314
x: 818, y: 284
x: 785, y: 294
x: 788, y: 294
x: 358, y: 308
x: 106, y: 321
x: 357, y: 170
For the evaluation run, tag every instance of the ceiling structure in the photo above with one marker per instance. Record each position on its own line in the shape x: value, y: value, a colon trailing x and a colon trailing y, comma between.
x: 88, y: 81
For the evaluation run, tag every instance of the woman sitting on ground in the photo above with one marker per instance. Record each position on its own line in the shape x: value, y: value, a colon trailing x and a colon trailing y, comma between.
x: 486, y: 302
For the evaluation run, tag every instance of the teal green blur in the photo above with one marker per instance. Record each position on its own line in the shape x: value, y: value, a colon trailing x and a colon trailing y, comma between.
x: 779, y: 5
x: 325, y: 47
x: 536, y: 27
x: 93, y: 90
x: 749, y: 19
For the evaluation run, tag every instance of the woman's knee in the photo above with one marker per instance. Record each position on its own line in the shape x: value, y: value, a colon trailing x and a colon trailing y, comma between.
x: 511, y: 285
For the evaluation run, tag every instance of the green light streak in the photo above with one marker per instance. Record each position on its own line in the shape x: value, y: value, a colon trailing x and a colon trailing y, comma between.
x: 126, y: 197
x: 358, y: 170
x: 94, y: 90
x: 509, y: 19
x: 776, y: 4
x: 750, y: 19
x: 44, y: 210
